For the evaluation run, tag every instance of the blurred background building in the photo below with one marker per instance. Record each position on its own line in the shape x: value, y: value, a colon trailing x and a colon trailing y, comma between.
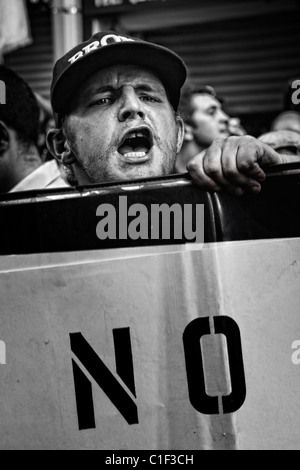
x: 246, y: 50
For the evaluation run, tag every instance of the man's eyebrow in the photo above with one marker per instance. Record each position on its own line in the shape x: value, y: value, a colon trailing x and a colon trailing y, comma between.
x: 102, y: 89
x: 148, y: 87
x: 137, y: 86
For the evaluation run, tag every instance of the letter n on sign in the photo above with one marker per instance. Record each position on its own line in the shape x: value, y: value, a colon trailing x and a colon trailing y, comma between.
x: 104, y: 378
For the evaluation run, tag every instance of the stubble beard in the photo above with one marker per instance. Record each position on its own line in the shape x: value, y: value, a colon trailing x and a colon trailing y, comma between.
x: 99, y: 172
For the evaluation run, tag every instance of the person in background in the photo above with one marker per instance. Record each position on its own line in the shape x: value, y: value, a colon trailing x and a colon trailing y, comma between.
x: 287, y: 121
x: 46, y: 122
x: 21, y: 166
x: 235, y: 127
x: 284, y: 133
x: 205, y: 120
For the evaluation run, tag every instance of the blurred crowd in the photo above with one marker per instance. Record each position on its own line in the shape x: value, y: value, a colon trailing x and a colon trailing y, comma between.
x: 26, y: 163
x: 25, y: 119
x: 206, y: 119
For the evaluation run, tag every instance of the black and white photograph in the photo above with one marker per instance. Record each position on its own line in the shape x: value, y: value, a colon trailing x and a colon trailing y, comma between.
x: 149, y: 227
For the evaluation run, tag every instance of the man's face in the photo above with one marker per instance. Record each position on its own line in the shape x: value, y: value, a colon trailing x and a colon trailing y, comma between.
x: 207, y: 119
x: 122, y: 126
x: 10, y: 159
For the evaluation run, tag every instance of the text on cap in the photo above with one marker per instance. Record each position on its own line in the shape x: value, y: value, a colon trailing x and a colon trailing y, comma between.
x: 105, y: 41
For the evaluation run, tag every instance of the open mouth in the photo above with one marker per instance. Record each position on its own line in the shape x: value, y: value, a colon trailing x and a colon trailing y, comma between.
x: 136, y: 144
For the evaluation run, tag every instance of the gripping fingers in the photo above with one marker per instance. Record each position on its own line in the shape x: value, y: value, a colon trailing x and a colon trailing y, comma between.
x: 196, y: 170
x: 240, y: 167
x: 233, y: 164
x: 214, y: 168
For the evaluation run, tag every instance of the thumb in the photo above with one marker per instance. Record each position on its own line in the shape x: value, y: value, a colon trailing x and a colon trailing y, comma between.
x: 269, y: 156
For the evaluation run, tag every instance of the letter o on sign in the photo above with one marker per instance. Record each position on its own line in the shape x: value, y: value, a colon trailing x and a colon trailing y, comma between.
x: 194, y: 365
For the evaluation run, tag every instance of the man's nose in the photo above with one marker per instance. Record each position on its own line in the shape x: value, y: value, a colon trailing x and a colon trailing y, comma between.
x: 131, y: 105
x: 223, y: 117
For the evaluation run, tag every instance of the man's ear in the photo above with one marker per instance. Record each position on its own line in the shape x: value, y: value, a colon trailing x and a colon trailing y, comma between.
x: 180, y: 133
x: 188, y: 133
x: 59, y: 147
x: 4, y: 138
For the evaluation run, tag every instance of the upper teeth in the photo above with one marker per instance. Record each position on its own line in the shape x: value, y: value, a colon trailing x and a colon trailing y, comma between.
x: 134, y: 135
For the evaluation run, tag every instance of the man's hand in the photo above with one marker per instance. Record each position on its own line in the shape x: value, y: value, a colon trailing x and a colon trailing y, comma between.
x: 235, y: 164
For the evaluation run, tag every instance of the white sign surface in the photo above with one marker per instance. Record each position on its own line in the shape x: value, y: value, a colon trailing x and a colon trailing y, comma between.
x: 139, y: 348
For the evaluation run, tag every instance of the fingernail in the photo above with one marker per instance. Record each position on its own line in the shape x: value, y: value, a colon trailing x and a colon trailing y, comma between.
x: 256, y: 189
x: 238, y: 191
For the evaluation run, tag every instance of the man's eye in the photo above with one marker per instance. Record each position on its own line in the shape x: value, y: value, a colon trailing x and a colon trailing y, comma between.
x: 100, y: 101
x: 149, y: 99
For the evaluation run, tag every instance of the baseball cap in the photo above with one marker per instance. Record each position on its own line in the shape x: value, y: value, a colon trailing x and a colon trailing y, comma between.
x: 108, y: 48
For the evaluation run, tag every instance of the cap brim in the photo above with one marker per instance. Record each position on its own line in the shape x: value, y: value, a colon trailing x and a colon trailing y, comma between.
x: 169, y: 67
